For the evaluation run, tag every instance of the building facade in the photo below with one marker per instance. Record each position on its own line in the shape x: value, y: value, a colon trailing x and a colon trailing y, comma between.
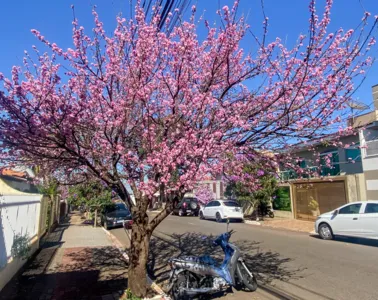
x: 369, y: 142
x: 323, y: 187
x: 352, y: 176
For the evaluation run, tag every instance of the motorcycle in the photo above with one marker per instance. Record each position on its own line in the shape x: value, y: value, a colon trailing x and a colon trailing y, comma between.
x: 267, y: 211
x: 195, y: 276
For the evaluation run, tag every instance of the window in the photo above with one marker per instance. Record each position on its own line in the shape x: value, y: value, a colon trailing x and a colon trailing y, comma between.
x: 352, y: 154
x: 302, y: 163
x: 372, y: 148
x: 371, y: 208
x: 334, y: 167
x: 216, y: 203
x: 231, y: 204
x: 350, y: 209
x: 188, y: 200
x: 210, y: 204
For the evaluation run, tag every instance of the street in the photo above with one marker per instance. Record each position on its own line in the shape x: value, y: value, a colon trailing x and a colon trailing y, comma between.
x: 297, y: 265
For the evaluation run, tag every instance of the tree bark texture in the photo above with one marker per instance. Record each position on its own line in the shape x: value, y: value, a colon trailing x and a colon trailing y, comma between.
x: 138, y: 256
x: 141, y: 232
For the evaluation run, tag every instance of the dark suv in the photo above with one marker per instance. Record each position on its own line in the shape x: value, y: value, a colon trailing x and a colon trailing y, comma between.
x: 187, y: 206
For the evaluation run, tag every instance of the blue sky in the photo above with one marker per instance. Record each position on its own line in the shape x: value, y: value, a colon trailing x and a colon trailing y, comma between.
x: 53, y: 19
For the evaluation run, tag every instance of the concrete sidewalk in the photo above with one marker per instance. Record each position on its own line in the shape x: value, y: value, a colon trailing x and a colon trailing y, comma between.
x: 290, y: 224
x: 285, y: 224
x: 76, y: 261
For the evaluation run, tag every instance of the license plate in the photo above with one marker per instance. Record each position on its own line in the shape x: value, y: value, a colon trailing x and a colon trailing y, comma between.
x: 120, y: 221
x: 188, y: 210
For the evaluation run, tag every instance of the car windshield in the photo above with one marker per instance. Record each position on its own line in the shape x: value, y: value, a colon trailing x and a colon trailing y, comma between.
x: 231, y: 204
x: 190, y: 199
x: 117, y: 207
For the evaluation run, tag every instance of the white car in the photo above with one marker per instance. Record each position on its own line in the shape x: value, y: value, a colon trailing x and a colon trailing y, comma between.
x: 222, y: 209
x: 357, y: 219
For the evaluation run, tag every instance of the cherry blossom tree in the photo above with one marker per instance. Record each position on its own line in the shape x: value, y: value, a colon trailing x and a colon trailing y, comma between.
x: 204, y: 194
x: 149, y: 110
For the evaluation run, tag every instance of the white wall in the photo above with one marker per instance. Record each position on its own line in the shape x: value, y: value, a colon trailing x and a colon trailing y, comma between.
x: 20, y: 214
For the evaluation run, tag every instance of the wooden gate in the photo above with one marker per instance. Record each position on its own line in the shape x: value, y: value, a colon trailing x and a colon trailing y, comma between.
x: 327, y: 195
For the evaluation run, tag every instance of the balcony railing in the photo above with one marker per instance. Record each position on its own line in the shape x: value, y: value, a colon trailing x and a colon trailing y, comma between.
x: 310, y: 172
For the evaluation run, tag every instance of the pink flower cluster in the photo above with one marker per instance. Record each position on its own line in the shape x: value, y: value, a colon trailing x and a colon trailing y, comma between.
x: 157, y: 112
x: 204, y: 194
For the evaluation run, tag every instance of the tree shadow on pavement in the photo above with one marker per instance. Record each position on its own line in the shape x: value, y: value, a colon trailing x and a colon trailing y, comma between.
x: 267, y: 265
x: 76, y: 273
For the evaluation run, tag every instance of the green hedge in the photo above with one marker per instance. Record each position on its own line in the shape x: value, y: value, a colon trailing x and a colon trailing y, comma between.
x: 281, y: 199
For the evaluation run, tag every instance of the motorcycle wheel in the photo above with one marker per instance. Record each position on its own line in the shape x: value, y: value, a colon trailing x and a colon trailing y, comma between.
x: 271, y: 214
x: 243, y: 274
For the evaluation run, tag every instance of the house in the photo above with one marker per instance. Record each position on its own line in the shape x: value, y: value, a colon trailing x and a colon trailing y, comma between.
x: 323, y: 186
x: 351, y: 173
x: 368, y: 134
x: 216, y: 185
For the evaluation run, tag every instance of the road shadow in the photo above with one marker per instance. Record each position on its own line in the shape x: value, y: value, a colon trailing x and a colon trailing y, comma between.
x: 267, y: 265
x: 352, y: 240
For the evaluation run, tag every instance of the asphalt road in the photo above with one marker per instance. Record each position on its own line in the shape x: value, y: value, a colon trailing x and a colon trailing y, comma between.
x: 296, y: 265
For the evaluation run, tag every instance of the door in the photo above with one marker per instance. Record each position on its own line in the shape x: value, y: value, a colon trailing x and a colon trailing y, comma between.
x: 216, y: 208
x: 369, y: 221
x: 207, y: 209
x: 347, y: 222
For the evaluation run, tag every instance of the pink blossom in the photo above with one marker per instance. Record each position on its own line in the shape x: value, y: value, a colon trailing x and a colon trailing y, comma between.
x: 159, y: 112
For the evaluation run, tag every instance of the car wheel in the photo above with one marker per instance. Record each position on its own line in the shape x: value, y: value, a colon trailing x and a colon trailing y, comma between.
x: 201, y: 216
x: 218, y: 217
x: 181, y: 213
x: 325, y: 232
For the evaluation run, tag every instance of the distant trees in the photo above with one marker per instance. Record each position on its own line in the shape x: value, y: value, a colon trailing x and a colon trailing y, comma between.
x: 258, y: 196
x: 93, y: 194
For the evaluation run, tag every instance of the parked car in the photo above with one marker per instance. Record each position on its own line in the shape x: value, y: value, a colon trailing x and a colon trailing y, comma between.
x: 358, y: 219
x: 187, y: 206
x: 221, y: 210
x: 116, y: 215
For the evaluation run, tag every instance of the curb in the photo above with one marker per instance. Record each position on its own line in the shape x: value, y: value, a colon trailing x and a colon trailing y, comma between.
x: 161, y: 295
x: 117, y: 244
x: 252, y: 222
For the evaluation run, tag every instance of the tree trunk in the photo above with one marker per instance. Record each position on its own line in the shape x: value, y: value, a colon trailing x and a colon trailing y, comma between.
x: 138, y: 255
x: 141, y: 232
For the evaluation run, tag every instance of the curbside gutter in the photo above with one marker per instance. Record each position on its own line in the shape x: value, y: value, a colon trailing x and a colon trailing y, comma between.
x: 117, y: 244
